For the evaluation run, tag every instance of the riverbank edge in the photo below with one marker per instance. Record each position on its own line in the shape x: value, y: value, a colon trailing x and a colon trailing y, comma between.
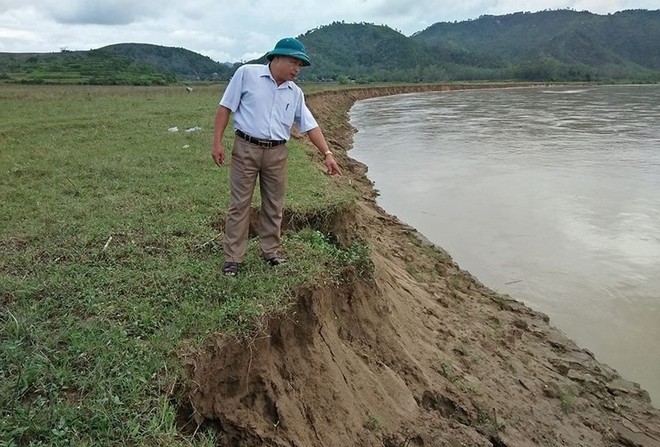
x: 333, y: 108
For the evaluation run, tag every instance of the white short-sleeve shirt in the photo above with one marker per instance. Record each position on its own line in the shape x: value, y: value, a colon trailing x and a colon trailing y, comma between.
x: 263, y: 109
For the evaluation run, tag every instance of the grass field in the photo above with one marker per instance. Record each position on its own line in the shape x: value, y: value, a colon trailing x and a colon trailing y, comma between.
x: 110, y: 255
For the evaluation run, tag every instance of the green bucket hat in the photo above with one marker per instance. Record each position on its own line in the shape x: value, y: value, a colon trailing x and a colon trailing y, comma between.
x: 289, y: 47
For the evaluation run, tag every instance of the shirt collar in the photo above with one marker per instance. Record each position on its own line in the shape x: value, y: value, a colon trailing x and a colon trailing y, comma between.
x: 265, y: 72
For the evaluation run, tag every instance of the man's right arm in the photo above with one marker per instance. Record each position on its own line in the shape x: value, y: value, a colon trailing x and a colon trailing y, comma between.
x: 221, y: 121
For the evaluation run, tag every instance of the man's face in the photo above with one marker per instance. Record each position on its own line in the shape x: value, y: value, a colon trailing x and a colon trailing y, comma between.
x: 286, y: 68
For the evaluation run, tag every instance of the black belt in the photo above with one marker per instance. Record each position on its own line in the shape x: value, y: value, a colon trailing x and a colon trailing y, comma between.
x: 259, y: 142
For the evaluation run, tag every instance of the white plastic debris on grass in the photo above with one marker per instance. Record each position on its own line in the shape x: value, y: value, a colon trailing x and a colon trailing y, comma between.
x: 189, y: 129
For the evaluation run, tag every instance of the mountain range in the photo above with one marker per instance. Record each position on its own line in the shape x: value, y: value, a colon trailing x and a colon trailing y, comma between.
x: 559, y: 45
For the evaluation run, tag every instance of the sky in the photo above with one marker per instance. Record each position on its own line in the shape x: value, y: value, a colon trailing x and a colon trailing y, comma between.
x: 238, y: 30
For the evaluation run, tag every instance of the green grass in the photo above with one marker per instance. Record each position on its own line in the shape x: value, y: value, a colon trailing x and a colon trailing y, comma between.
x: 110, y: 256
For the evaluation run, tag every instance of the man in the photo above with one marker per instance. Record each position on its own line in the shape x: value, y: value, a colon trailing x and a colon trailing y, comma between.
x: 266, y: 103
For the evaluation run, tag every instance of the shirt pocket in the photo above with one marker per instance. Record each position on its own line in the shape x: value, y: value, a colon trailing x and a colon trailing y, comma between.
x: 285, y: 110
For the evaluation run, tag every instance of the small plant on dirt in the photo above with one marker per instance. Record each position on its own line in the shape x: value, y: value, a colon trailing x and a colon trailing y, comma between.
x: 456, y: 282
x: 355, y: 257
x: 448, y: 371
x: 374, y: 424
x: 503, y: 301
x: 567, y: 402
x: 358, y: 257
x: 476, y: 389
x: 488, y: 424
x: 429, y: 249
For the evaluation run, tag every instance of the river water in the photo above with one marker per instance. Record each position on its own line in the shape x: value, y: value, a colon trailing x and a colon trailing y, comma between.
x: 550, y: 195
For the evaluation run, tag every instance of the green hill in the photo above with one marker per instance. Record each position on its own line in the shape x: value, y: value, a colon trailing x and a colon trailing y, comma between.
x: 129, y: 63
x: 182, y: 63
x: 621, y: 45
x: 561, y: 45
x: 363, y: 51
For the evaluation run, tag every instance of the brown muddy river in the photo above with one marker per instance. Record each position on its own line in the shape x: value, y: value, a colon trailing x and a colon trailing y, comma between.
x: 551, y: 195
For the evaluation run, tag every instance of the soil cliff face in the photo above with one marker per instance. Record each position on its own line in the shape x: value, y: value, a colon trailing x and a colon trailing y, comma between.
x: 422, y: 355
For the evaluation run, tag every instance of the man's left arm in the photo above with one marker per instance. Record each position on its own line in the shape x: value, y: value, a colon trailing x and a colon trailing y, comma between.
x: 316, y: 137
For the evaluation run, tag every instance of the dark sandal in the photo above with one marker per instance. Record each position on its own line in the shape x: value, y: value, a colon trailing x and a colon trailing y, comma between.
x: 276, y: 260
x: 230, y: 268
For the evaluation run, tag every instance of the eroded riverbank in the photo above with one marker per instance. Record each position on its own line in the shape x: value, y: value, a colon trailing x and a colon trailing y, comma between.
x: 422, y: 355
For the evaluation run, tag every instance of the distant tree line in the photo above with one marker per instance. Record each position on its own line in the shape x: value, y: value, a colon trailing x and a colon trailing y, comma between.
x: 561, y: 45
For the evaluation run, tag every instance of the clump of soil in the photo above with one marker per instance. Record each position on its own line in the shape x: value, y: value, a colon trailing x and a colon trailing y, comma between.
x: 422, y: 355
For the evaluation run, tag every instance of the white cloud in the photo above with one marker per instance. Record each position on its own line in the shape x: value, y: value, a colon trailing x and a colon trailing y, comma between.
x: 17, y: 34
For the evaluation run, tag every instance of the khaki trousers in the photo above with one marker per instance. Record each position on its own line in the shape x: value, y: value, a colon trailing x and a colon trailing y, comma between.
x: 248, y: 162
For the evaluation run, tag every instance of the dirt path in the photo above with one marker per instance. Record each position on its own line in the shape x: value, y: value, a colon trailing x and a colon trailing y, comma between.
x: 424, y: 355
